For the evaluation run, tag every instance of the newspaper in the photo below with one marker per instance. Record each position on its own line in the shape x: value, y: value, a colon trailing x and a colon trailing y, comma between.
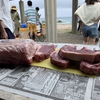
x: 45, y: 84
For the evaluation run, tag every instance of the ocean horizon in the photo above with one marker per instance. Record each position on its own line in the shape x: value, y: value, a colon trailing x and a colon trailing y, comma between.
x: 60, y: 20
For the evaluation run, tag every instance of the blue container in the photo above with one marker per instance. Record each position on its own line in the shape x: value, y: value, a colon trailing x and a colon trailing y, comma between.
x: 23, y: 25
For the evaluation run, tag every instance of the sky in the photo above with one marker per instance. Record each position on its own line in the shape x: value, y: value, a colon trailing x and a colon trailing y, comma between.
x: 64, y: 7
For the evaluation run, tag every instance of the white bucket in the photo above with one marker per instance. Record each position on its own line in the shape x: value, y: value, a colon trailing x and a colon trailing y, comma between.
x: 38, y: 28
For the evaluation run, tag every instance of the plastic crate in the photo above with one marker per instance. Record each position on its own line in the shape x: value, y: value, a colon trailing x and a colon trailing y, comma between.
x: 23, y: 25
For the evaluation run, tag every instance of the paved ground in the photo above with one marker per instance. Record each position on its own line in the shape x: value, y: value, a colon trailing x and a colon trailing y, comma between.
x: 69, y: 38
x: 65, y: 36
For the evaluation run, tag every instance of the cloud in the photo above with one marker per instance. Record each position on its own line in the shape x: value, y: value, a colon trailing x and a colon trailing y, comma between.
x: 64, y: 7
x: 64, y: 3
x: 40, y: 3
x: 64, y: 12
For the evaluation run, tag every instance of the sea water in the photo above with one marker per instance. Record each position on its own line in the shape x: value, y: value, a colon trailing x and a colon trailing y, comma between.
x: 60, y: 20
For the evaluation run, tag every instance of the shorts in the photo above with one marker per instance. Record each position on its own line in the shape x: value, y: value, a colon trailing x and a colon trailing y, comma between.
x: 32, y: 27
x: 90, y: 31
x: 9, y: 33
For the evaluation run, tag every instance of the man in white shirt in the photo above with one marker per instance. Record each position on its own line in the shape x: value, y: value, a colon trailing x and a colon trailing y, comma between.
x: 6, y: 24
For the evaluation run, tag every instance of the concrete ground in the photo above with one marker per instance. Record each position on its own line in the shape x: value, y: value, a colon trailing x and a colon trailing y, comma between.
x: 69, y: 38
x: 65, y: 36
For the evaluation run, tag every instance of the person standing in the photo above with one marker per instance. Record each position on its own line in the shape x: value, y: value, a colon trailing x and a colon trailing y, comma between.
x: 30, y: 14
x: 89, y: 13
x: 6, y: 23
x: 38, y: 20
x: 15, y: 17
x: 79, y: 25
